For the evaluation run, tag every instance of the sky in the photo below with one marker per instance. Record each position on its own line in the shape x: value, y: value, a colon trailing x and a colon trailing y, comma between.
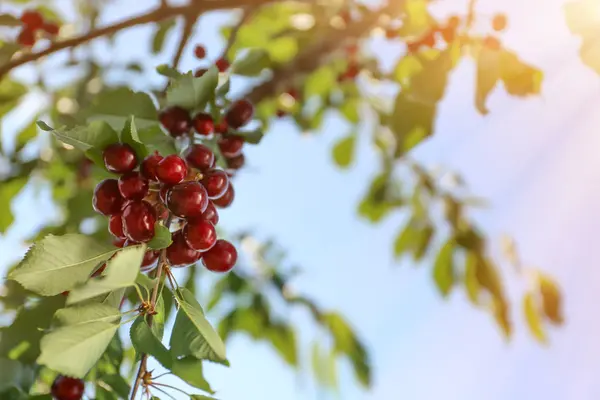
x: 535, y: 160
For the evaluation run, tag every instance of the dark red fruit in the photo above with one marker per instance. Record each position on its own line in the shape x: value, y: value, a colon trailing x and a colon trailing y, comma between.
x: 119, y: 158
x: 222, y: 64
x: 280, y: 113
x: 294, y: 93
x: 210, y: 214
x: 203, y: 124
x: 187, y: 199
x: 239, y: 114
x: 133, y: 186
x: 26, y: 37
x: 236, y: 162
x: 499, y: 22
x: 199, y: 72
x: 221, y: 257
x: 200, y: 156
x: 119, y: 242
x: 200, y: 51
x: 138, y: 221
x: 65, y: 388
x: 115, y: 226
x: 221, y: 127
x: 176, y: 121
x: 150, y: 256
x: 32, y: 19
x: 215, y: 181
x: 231, y: 145
x: 179, y: 253
x: 171, y: 170
x: 200, y: 235
x: 149, y: 164
x: 107, y: 199
x: 50, y: 28
x: 225, y: 200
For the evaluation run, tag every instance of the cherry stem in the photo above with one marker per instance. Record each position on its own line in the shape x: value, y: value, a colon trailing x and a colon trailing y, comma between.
x: 170, y: 387
x: 162, y: 391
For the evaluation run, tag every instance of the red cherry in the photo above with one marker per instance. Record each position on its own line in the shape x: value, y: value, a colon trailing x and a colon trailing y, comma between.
x: 133, y: 186
x: 107, y: 199
x: 227, y: 198
x: 138, y: 221
x: 187, y: 199
x: 200, y: 156
x: 149, y: 164
x: 179, y: 253
x: 236, y: 162
x: 499, y: 22
x: 115, y: 226
x: 200, y: 235
x: 26, y: 37
x: 200, y: 51
x: 231, y: 145
x: 50, y: 28
x: 150, y: 256
x: 239, y: 114
x: 199, y: 72
x: 280, y: 113
x: 171, y: 170
x: 65, y: 388
x: 203, y: 124
x: 221, y: 257
x: 210, y: 214
x: 119, y: 242
x: 119, y: 158
x: 221, y: 127
x: 215, y: 181
x: 222, y: 64
x: 176, y: 121
x: 32, y: 19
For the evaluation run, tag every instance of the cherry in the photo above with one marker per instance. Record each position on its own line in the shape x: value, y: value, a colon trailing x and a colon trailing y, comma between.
x: 203, y: 124
x: 119, y: 158
x: 138, y: 221
x: 221, y: 127
x: 227, y: 198
x: 133, y: 186
x: 199, y: 72
x: 115, y: 226
x: 179, y: 253
x: 221, y: 257
x: 187, y: 199
x: 26, y: 37
x: 499, y: 22
x: 107, y: 199
x: 454, y: 21
x: 200, y: 156
x: 231, y: 145
x: 280, y: 113
x: 32, y: 19
x: 176, y: 121
x: 50, y: 28
x: 200, y: 51
x: 222, y: 64
x: 239, y: 114
x: 200, y: 235
x: 236, y: 162
x: 210, y: 214
x: 171, y: 170
x: 65, y: 388
x: 150, y: 256
x: 491, y: 43
x: 215, y: 181
x: 149, y: 164
x: 119, y: 242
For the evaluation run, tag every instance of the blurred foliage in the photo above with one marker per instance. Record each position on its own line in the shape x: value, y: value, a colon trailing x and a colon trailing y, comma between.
x: 307, y: 60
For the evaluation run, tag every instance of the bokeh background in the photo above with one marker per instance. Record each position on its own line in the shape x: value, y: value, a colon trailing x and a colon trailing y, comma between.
x: 534, y: 160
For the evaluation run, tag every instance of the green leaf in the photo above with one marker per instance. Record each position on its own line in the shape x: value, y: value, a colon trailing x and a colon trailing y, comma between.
x: 193, y: 93
x: 9, y: 20
x: 118, y: 384
x: 93, y: 312
x: 254, y: 62
x: 116, y: 106
x: 162, y: 237
x: 405, y: 239
x: 15, y: 374
x: 374, y: 206
x: 27, y: 134
x: 156, y: 140
x: 519, y: 79
x: 488, y: 76
x: 121, y: 272
x: 192, y: 333
x: 129, y: 134
x: 283, y: 339
x: 252, y: 137
x: 350, y: 108
x: 201, y: 397
x: 57, y: 263
x: 8, y: 190
x: 168, y: 71
x: 144, y: 341
x: 533, y: 317
x: 161, y: 33
x: 471, y: 282
x: 96, y: 135
x: 10, y: 91
x: 73, y: 350
x: 343, y: 150
x: 428, y: 86
x: 443, y: 268
x: 190, y: 370
x: 407, y: 67
x: 320, y: 82
x: 411, y: 122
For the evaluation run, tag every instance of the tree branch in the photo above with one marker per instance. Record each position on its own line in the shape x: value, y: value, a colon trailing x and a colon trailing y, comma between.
x: 186, y: 34
x: 247, y: 13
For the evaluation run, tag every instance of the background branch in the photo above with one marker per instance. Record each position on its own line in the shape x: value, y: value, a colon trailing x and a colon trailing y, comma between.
x: 246, y: 14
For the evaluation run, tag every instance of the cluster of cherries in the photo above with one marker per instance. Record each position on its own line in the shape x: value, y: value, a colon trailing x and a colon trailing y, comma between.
x: 188, y: 188
x: 222, y: 63
x: 34, y: 22
x: 65, y: 388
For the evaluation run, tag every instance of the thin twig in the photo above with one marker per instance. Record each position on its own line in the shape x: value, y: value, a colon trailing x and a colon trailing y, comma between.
x: 163, y: 392
x: 246, y: 14
x: 186, y: 34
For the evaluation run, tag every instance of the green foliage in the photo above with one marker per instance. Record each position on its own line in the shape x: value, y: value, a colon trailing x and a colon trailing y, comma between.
x: 343, y: 151
x: 193, y: 93
x: 162, y: 237
x: 8, y: 191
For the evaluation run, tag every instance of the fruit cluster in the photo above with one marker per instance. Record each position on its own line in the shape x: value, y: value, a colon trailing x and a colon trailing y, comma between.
x: 34, y: 22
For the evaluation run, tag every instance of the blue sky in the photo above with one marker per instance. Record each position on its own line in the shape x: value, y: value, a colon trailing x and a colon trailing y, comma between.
x: 534, y: 159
